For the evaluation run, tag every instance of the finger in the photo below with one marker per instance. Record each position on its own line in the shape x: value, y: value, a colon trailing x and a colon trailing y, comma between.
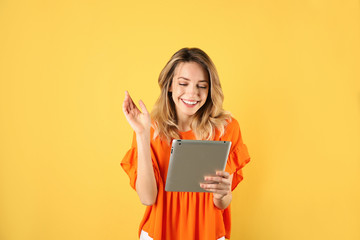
x: 143, y: 107
x: 128, y: 110
x: 129, y: 101
x: 132, y: 104
x: 210, y: 187
x: 127, y: 96
x: 126, y: 107
x: 214, y: 186
x: 223, y: 174
x: 218, y: 180
x: 221, y: 192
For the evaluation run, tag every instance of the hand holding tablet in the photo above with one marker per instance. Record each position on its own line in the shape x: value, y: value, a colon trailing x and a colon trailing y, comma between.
x: 220, y: 185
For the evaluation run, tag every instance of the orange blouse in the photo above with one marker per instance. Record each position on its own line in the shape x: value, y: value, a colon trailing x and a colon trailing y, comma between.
x: 186, y: 215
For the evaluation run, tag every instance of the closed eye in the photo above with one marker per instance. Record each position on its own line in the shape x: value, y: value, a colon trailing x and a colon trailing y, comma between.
x: 182, y: 84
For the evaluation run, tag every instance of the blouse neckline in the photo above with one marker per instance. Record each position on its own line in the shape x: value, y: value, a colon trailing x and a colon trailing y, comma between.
x: 187, y: 134
x: 185, y: 131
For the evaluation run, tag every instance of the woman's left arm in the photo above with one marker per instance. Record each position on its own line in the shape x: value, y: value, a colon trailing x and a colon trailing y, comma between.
x: 220, y: 187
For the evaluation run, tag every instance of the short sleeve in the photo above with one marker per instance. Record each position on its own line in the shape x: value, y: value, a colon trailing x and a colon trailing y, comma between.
x: 129, y: 163
x: 238, y: 156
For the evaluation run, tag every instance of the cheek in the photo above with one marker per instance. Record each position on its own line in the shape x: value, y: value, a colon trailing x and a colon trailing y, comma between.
x: 205, y: 95
x: 175, y: 94
x: 178, y: 92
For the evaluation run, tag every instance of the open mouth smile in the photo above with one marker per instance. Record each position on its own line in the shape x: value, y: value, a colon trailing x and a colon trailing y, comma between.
x: 189, y: 103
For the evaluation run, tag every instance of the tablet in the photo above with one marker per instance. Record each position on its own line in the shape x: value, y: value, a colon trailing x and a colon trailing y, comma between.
x: 192, y: 160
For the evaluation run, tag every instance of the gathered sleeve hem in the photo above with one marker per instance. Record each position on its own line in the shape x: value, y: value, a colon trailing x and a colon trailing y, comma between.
x: 129, y: 164
x: 130, y: 161
x: 238, y: 158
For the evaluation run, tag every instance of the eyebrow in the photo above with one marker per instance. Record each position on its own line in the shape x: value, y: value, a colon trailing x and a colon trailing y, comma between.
x: 189, y: 79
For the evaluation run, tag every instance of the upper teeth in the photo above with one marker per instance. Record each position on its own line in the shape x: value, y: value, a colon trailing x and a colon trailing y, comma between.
x: 189, y: 102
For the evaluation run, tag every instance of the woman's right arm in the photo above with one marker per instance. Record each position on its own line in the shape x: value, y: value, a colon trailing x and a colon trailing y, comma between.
x: 145, y: 181
x: 140, y: 122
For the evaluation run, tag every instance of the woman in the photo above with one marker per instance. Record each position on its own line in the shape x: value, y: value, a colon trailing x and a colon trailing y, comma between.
x: 189, y: 107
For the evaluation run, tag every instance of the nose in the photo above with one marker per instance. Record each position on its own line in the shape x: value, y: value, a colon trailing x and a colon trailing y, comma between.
x: 192, y: 90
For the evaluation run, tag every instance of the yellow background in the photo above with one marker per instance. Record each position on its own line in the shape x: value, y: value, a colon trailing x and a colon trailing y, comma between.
x: 290, y: 75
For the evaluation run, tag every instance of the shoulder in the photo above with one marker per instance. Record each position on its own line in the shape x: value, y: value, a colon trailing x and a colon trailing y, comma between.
x: 232, y: 130
x: 232, y: 125
x: 155, y: 138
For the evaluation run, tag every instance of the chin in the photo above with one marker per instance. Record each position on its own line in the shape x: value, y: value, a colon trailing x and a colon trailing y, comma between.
x: 191, y: 113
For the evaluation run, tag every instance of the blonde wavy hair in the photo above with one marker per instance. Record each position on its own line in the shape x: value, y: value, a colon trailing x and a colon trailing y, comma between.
x: 207, y: 119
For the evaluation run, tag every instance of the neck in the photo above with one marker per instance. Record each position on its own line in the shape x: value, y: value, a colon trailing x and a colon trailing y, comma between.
x: 184, y: 124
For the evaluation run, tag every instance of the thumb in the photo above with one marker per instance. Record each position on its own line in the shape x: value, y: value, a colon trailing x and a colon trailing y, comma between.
x: 143, y: 107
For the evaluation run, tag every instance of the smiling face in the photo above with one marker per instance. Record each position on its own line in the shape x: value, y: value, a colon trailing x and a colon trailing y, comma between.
x: 190, y: 88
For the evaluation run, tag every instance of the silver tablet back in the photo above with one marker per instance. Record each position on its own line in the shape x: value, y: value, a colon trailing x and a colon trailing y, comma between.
x: 191, y: 160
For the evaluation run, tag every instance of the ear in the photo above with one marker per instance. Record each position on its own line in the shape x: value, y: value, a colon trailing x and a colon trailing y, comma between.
x: 170, y: 88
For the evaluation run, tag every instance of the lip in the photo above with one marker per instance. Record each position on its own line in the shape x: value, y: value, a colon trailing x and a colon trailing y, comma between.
x: 188, y: 105
x: 189, y: 100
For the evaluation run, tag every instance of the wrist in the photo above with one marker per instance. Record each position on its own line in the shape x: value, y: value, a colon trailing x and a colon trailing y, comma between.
x: 224, y: 202
x: 219, y: 198
x: 145, y: 135
x: 143, y: 140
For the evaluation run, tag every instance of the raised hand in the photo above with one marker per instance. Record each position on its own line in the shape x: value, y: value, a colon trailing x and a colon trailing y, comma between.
x: 140, y: 121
